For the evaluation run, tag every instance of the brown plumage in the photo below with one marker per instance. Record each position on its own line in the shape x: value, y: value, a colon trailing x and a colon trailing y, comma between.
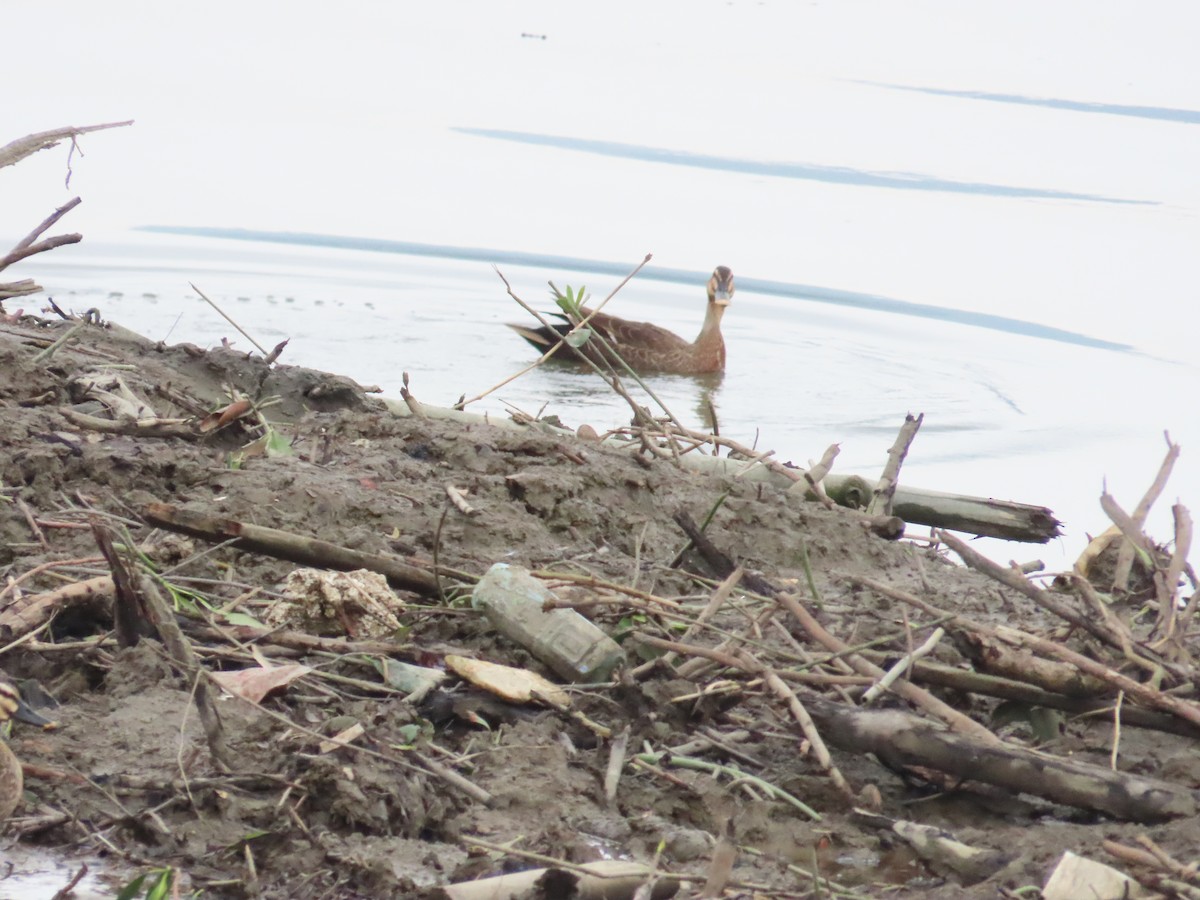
x: 12, y: 781
x: 644, y: 346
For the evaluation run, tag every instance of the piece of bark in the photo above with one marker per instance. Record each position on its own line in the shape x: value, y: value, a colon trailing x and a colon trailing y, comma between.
x: 130, y: 618
x: 296, y: 548
x: 997, y: 658
x: 718, y: 560
x: 32, y: 611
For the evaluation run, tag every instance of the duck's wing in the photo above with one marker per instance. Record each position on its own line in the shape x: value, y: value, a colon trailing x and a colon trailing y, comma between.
x: 626, y: 335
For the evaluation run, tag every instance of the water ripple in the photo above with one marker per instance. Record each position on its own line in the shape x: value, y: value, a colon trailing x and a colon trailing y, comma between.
x: 909, y: 181
x: 1161, y: 113
x: 835, y: 296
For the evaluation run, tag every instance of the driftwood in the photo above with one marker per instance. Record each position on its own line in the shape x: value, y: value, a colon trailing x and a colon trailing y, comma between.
x: 15, y: 151
x: 885, y: 491
x: 958, y: 512
x: 32, y: 611
x: 297, y: 548
x: 1096, y: 707
x: 901, y: 739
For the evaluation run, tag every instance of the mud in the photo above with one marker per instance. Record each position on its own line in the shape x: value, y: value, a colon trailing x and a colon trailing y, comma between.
x: 129, y: 777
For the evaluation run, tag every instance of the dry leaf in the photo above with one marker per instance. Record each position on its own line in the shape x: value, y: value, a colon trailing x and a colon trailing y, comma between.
x: 514, y: 685
x: 254, y: 684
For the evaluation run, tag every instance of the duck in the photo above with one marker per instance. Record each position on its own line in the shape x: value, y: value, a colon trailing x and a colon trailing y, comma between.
x: 12, y: 779
x: 644, y: 346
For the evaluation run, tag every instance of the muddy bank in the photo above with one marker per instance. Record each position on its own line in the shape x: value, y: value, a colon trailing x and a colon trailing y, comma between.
x: 426, y: 791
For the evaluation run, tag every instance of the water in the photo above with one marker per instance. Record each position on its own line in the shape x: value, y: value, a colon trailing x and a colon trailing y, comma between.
x: 986, y: 213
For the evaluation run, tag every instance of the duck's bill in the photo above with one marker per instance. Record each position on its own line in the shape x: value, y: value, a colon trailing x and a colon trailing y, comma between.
x: 722, y: 298
x: 27, y: 714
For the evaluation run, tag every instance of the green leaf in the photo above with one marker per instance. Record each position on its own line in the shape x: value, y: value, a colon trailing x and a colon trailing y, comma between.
x: 132, y: 889
x: 238, y: 618
x: 162, y: 887
x: 278, y: 444
x: 578, y: 338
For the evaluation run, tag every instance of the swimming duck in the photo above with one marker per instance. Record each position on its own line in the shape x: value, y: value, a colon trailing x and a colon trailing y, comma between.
x: 12, y: 780
x: 647, y: 347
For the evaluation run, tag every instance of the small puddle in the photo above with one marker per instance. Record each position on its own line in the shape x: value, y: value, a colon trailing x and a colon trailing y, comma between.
x: 30, y: 873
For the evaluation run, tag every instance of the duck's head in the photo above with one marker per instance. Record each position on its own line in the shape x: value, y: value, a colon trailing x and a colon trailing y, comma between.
x: 720, y: 286
x: 13, y: 707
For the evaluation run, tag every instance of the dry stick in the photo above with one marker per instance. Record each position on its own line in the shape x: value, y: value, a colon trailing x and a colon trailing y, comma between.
x: 1148, y: 695
x: 62, y: 341
x: 139, y: 606
x: 1167, y: 618
x: 259, y: 346
x: 781, y: 690
x: 1007, y: 689
x: 747, y: 663
x: 715, y: 602
x: 161, y: 617
x: 901, y: 739
x: 881, y: 499
x: 17, y: 150
x: 1189, y: 712
x: 26, y: 247
x: 554, y: 349
x: 185, y: 429
x: 718, y: 560
x: 1139, y: 540
x: 1141, y: 511
x: 1003, y: 688
x: 285, y: 545
x: 1013, y: 578
x: 905, y: 689
x: 1190, y: 609
x: 32, y: 522
x: 31, y: 612
x: 27, y: 242
x: 814, y: 475
x: 902, y: 667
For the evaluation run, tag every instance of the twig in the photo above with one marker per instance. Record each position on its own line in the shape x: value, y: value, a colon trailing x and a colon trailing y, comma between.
x: 285, y: 545
x: 459, y: 499
x: 26, y: 246
x: 462, y: 404
x: 49, y: 351
x: 1141, y: 511
x: 229, y: 320
x: 902, y: 667
x: 909, y: 691
x: 885, y: 490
